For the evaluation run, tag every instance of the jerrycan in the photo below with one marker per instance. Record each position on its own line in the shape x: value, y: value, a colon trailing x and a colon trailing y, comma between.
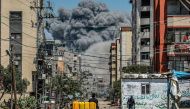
x: 86, y: 105
x: 81, y: 105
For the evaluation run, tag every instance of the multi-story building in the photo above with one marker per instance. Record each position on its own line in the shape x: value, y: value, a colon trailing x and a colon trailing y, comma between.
x: 125, y: 46
x: 118, y: 57
x: 19, y: 32
x: 142, y: 40
x: 112, y: 63
x: 120, y: 54
x: 161, y: 34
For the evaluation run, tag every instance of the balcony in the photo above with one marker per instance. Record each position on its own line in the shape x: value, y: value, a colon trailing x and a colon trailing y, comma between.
x: 145, y: 21
x: 178, y: 21
x: 145, y: 34
x: 145, y: 8
x: 178, y: 49
x: 145, y: 48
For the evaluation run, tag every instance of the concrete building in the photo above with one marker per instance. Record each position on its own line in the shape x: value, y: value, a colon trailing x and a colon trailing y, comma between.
x: 120, y: 50
x: 18, y: 30
x: 158, y: 35
x: 112, y: 63
x: 118, y: 62
x: 146, y: 93
x: 142, y: 40
x: 125, y: 47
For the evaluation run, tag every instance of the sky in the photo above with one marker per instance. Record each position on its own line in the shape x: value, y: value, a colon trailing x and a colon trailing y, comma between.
x: 113, y: 5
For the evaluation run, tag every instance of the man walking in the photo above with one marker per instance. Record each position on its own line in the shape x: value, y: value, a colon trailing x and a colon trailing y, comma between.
x: 93, y: 99
x: 131, y: 103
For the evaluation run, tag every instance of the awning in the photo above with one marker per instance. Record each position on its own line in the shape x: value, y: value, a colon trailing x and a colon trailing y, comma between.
x: 181, y: 75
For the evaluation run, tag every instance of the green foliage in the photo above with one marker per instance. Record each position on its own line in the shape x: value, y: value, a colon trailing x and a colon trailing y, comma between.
x: 137, y: 69
x: 27, y: 103
x: 117, y: 89
x: 21, y: 84
x: 61, y: 83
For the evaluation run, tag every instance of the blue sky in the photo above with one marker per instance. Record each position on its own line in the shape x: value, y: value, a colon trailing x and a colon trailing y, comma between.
x: 114, y: 5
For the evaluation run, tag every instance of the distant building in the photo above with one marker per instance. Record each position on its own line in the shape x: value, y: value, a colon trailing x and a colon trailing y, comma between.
x: 118, y: 57
x: 112, y: 63
x: 120, y: 54
x: 160, y: 31
x: 18, y: 29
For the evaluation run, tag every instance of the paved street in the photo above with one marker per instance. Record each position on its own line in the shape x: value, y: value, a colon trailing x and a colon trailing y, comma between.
x: 106, y: 105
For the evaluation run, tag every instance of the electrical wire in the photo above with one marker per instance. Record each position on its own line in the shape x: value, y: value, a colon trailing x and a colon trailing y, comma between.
x: 22, y: 32
x: 18, y: 43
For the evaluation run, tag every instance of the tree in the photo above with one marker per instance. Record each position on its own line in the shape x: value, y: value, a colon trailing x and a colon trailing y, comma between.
x: 141, y: 69
x: 27, y: 103
x: 21, y: 84
x: 64, y: 86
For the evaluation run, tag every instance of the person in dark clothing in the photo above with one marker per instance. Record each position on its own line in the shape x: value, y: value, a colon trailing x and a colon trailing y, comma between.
x: 131, y: 103
x: 93, y: 99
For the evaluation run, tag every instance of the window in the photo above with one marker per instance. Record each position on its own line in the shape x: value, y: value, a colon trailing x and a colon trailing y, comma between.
x: 145, y: 14
x: 178, y: 63
x: 145, y: 55
x: 15, y: 22
x: 145, y: 88
x: 145, y: 2
x: 177, y: 35
x: 145, y: 41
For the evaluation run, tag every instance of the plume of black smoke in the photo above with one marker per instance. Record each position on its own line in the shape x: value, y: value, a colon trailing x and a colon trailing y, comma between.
x: 87, y: 24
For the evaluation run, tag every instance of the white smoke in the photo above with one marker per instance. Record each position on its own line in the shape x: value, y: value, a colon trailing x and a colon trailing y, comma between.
x: 98, y: 65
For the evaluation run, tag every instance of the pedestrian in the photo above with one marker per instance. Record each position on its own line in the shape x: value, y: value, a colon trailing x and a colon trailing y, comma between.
x: 93, y: 99
x: 131, y: 103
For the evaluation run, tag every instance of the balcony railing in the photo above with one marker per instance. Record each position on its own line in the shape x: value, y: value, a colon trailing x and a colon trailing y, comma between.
x: 145, y: 8
x: 178, y: 49
x: 145, y: 21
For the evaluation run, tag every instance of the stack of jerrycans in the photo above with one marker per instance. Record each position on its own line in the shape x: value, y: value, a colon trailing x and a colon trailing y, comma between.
x: 84, y: 105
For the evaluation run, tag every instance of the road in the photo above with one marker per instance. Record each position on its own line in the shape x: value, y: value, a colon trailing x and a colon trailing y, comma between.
x: 106, y: 105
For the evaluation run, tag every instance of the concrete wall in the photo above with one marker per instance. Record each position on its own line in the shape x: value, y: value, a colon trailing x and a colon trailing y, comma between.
x: 118, y: 58
x: 28, y: 35
x: 157, y: 98
x: 126, y: 46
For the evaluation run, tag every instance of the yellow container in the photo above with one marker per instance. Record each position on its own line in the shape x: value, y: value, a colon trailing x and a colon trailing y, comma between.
x: 86, y: 105
x: 81, y: 104
x: 92, y: 105
x: 75, y: 105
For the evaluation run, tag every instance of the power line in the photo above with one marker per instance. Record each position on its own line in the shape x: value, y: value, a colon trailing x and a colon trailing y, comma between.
x: 22, y: 32
x: 18, y: 42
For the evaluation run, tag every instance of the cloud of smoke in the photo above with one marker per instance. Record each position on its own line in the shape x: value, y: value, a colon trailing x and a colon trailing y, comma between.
x: 89, y: 23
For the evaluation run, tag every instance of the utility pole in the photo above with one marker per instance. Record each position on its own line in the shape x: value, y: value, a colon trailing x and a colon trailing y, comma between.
x: 42, y: 13
x: 13, y: 87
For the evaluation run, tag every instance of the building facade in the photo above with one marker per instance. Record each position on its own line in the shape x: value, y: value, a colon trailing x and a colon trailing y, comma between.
x: 19, y: 32
x: 146, y: 93
x: 161, y: 34
x: 125, y: 47
x: 112, y: 63
x: 120, y: 54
